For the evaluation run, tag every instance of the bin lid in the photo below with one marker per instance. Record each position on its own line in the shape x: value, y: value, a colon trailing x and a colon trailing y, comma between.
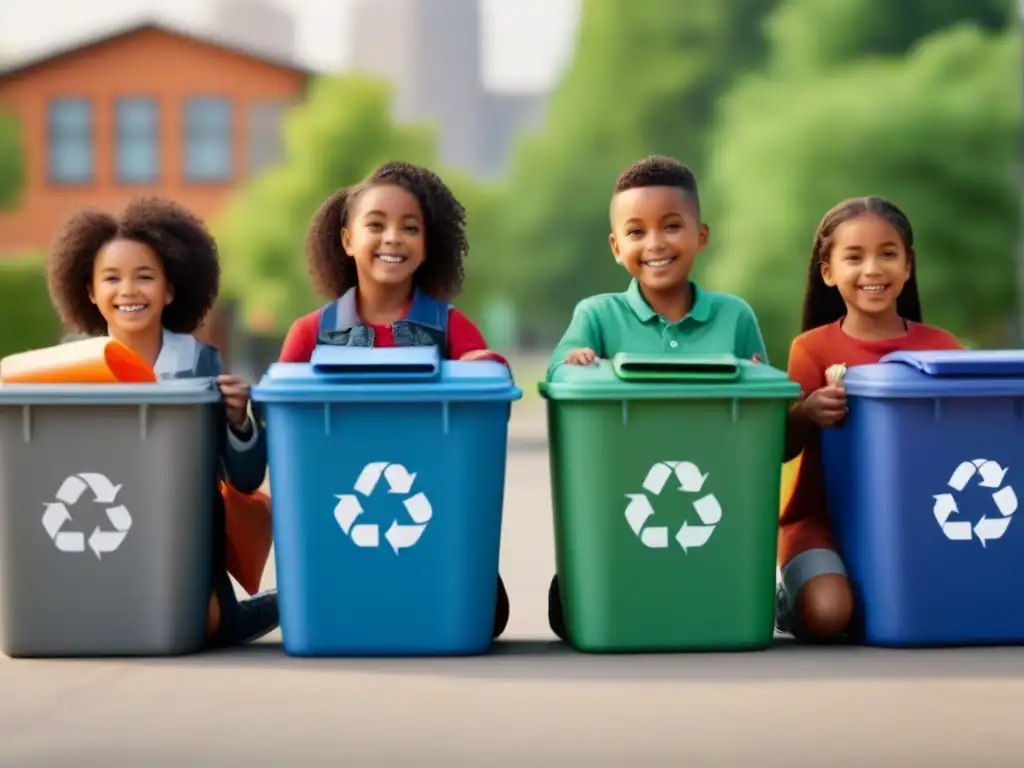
x: 196, y: 391
x: 947, y: 373
x: 375, y: 374
x: 653, y: 377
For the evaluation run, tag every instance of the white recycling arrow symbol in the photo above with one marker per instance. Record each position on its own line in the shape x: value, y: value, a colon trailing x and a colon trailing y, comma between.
x: 691, y: 480
x: 400, y: 481
x: 56, y: 515
x: 990, y: 475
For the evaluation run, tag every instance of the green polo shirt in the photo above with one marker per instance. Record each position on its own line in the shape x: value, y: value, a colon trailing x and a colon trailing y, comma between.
x: 718, y: 323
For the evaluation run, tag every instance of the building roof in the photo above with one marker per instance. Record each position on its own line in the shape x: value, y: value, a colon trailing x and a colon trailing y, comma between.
x: 19, y: 66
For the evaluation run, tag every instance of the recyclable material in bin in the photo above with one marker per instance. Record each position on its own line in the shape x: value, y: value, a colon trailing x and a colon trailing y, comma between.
x: 99, y: 360
x: 665, y: 483
x: 106, y: 504
x: 922, y: 493
x: 387, y: 468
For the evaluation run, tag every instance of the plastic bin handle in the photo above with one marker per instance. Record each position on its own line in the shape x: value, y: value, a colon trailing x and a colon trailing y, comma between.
x: 385, y: 365
x: 704, y: 368
x: 963, y: 364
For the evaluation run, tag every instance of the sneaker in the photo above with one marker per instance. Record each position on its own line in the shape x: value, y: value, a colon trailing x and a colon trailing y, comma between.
x: 254, y: 617
x: 556, y: 615
x: 501, y: 610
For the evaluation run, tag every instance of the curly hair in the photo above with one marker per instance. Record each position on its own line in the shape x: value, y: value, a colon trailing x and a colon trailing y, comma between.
x: 823, y: 304
x: 180, y: 240
x: 442, y: 271
x: 659, y: 171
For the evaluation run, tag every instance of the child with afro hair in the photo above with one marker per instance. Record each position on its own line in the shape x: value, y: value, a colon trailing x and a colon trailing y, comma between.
x: 147, y: 278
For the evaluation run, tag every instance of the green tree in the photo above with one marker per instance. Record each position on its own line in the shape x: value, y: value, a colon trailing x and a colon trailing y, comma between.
x: 644, y: 80
x: 937, y: 132
x: 809, y: 36
x: 334, y: 139
x: 12, y: 170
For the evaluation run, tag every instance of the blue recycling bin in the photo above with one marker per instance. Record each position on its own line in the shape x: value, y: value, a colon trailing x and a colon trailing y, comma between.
x: 387, y: 474
x: 922, y: 479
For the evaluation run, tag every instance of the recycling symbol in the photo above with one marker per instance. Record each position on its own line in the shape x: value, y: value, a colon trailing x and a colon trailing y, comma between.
x: 639, y: 509
x: 987, y: 529
x: 103, y: 492
x: 399, y: 481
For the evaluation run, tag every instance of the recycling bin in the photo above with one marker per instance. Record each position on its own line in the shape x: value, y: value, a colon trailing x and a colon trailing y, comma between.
x: 665, y: 486
x: 922, y: 478
x: 106, y: 517
x: 387, y: 473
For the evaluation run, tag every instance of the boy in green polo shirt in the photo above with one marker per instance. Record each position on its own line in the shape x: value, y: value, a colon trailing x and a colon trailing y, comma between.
x: 656, y: 233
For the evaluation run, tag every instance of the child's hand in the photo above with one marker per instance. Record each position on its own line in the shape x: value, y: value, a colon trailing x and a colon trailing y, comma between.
x: 583, y: 356
x: 825, y: 406
x: 477, y: 354
x: 236, y: 398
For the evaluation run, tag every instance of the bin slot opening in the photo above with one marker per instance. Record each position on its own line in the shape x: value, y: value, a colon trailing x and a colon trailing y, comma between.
x: 381, y: 369
x: 378, y: 364
x: 674, y: 368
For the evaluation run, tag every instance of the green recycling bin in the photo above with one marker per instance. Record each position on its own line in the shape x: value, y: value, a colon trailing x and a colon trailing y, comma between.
x: 665, y: 474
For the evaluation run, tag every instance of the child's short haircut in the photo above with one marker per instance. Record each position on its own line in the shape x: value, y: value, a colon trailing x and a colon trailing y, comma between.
x: 444, y: 220
x: 180, y: 240
x: 660, y: 171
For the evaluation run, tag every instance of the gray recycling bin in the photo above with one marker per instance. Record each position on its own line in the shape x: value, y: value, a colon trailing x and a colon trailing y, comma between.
x: 106, y: 517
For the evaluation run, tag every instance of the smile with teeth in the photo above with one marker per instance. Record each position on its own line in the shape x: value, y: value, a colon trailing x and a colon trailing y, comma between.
x: 872, y: 288
x: 132, y: 307
x: 391, y: 258
x: 664, y: 262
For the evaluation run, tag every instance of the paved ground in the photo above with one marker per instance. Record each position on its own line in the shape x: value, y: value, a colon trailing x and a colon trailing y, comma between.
x: 531, y: 701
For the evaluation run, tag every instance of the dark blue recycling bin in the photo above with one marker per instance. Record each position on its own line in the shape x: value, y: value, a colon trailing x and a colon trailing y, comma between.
x: 387, y: 472
x: 922, y: 478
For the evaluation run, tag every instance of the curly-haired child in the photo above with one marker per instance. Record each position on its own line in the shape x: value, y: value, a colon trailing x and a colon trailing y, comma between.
x: 388, y: 252
x: 147, y: 278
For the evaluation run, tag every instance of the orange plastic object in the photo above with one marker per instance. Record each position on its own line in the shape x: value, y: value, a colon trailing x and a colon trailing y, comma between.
x: 789, y: 473
x: 99, y: 360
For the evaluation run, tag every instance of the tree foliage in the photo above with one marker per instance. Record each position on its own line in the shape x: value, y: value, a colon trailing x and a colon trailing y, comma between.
x: 644, y: 80
x: 937, y: 132
x: 12, y: 167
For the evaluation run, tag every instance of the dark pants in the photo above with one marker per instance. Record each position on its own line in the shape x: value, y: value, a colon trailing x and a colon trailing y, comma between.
x: 501, y: 609
x: 556, y: 614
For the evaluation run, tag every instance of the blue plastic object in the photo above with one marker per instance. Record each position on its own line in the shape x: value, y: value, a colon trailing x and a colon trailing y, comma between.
x: 922, y: 478
x: 387, y: 470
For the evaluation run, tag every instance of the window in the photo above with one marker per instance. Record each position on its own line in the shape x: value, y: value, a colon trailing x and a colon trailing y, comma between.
x: 265, y: 147
x: 137, y: 151
x: 208, y: 139
x: 70, y: 135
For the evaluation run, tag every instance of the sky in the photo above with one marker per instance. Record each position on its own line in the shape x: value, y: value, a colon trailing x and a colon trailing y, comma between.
x: 526, y: 43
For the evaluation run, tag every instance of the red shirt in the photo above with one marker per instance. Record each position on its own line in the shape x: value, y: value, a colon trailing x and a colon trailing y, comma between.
x: 463, y: 337
x: 804, y: 522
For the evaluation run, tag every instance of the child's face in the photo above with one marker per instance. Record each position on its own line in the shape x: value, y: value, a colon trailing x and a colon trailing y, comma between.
x: 868, y: 264
x: 385, y: 235
x: 129, y: 286
x: 656, y: 236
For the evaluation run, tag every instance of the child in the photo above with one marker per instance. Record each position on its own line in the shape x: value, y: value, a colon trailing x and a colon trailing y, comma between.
x: 388, y: 252
x: 147, y: 278
x: 656, y: 234
x: 861, y: 304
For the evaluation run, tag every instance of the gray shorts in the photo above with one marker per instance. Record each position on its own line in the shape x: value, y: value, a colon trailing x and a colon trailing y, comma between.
x: 801, y: 569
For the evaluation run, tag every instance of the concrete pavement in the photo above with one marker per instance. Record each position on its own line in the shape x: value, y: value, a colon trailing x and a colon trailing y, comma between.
x: 530, y: 701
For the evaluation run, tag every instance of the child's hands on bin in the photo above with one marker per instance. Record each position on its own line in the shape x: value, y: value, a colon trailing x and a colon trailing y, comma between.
x: 582, y: 356
x: 236, y: 398
x: 477, y: 354
x: 826, y: 406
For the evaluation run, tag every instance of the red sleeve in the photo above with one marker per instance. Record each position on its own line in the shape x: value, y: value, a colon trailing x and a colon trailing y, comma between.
x: 940, y: 339
x: 803, y: 367
x: 301, y: 339
x: 464, y: 337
